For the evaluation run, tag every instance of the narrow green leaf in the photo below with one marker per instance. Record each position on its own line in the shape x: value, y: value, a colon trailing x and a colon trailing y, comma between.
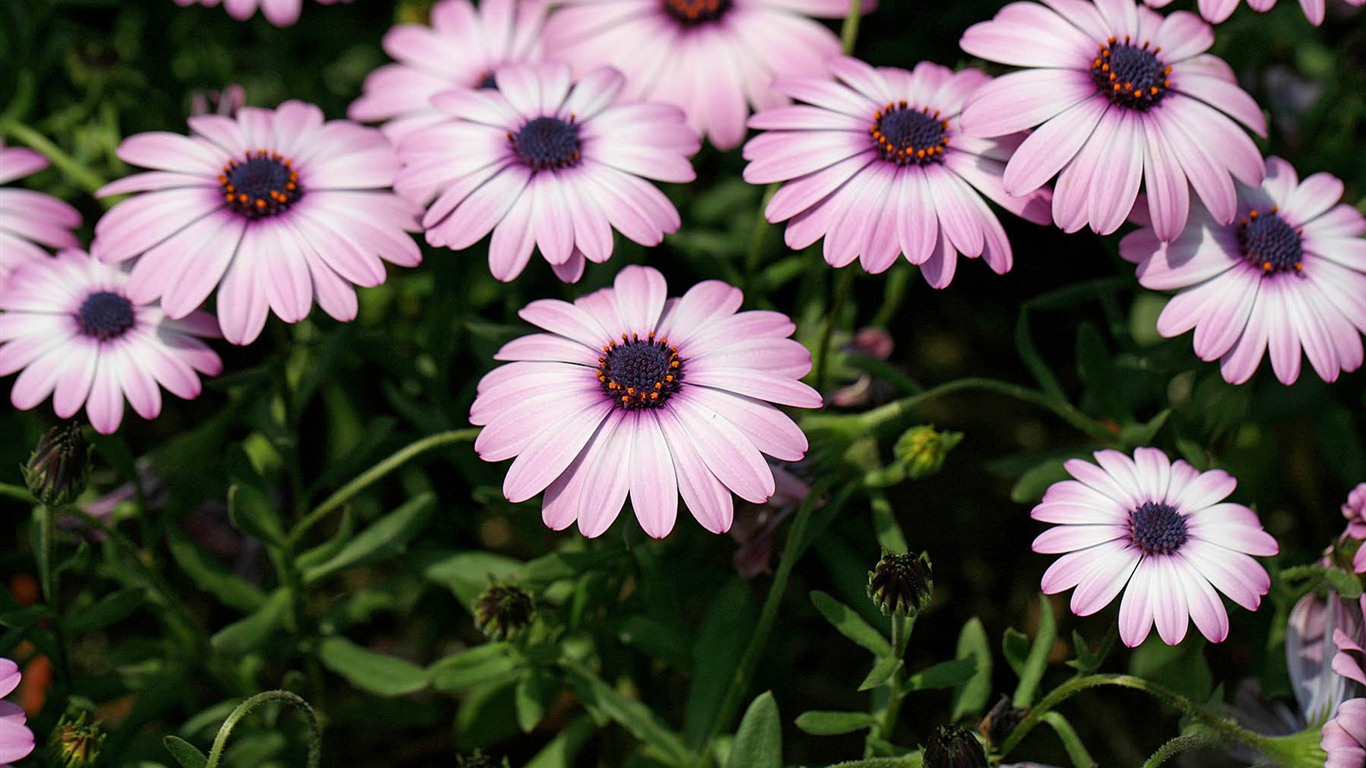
x: 249, y: 633
x: 107, y: 611
x: 369, y: 671
x: 819, y: 723
x: 945, y: 674
x: 562, y: 749
x: 1015, y: 647
x: 970, y: 697
x: 468, y: 573
x: 383, y: 539
x: 477, y: 666
x: 721, y: 641
x: 1070, y: 740
x: 913, y: 760
x: 635, y: 717
x: 880, y: 674
x: 185, y: 753
x: 849, y: 624
x: 251, y: 512
x: 534, y: 690
x: 759, y: 742
x: 326, y: 550
x: 1031, y: 485
x: 230, y: 589
x: 1039, y: 652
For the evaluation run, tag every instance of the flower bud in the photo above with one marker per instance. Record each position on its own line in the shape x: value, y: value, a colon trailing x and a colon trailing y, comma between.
x: 901, y: 585
x: 503, y: 611
x: 480, y: 760
x: 75, y: 743
x: 57, y: 471
x: 954, y: 746
x: 1000, y: 721
x: 922, y: 450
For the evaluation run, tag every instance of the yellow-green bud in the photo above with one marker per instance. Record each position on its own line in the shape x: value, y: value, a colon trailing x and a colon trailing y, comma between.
x: 922, y: 450
x: 59, y: 468
x: 901, y: 585
x: 75, y: 743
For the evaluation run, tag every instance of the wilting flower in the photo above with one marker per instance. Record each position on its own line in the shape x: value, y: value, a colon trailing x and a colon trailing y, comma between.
x: 16, y: 740
x: 1000, y: 721
x: 953, y: 746
x: 1122, y: 98
x: 901, y: 585
x: 1313, y: 622
x: 756, y: 525
x: 275, y: 208
x: 878, y: 165
x: 503, y: 611
x: 74, y: 329
x: 1355, y: 512
x: 281, y: 13
x: 1289, y: 274
x: 543, y: 162
x: 461, y: 49
x: 1344, y: 737
x: 713, y: 58
x: 28, y: 219
x: 1159, y: 527
x: 1216, y: 11
x: 59, y: 467
x: 632, y: 392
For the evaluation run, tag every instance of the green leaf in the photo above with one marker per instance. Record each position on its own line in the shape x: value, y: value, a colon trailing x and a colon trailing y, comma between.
x: 1037, y: 660
x: 1015, y: 647
x: 913, y: 760
x: 759, y: 742
x: 185, y: 753
x: 562, y: 749
x: 819, y: 723
x: 1031, y: 485
x: 721, y: 641
x: 1024, y: 345
x: 326, y: 550
x: 970, y: 697
x: 468, y: 573
x: 107, y: 611
x: 1070, y: 740
x: 945, y: 674
x: 383, y: 539
x: 230, y: 589
x: 535, y: 688
x: 880, y: 673
x: 369, y: 671
x: 635, y: 717
x: 1182, y: 667
x: 251, y: 512
x: 249, y: 633
x: 479, y: 665
x: 849, y: 624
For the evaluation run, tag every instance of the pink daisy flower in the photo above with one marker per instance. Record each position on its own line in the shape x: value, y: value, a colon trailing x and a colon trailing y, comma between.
x: 1161, y: 528
x: 633, y: 393
x: 543, y: 162
x: 274, y: 207
x: 1344, y: 737
x: 16, y: 740
x: 281, y: 13
x: 877, y: 165
x: 1216, y: 11
x: 28, y: 219
x: 71, y: 325
x: 713, y: 58
x: 461, y: 49
x: 1123, y: 98
x: 1289, y: 274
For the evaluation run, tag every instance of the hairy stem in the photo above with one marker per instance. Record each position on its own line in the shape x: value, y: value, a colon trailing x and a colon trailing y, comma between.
x: 64, y: 162
x: 315, y: 741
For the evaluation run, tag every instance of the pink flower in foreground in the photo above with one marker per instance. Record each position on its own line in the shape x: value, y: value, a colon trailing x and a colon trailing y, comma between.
x: 543, y: 162
x: 274, y: 208
x: 281, y: 13
x: 1309, y: 652
x: 632, y: 392
x: 1344, y: 737
x: 1289, y: 274
x: 1355, y: 512
x: 713, y: 58
x: 461, y: 49
x: 71, y: 326
x: 30, y: 219
x: 1160, y: 528
x: 1122, y: 98
x: 1216, y: 11
x: 877, y: 165
x: 16, y: 740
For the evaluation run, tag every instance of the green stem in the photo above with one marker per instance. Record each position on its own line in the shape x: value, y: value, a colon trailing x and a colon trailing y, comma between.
x: 373, y: 475
x: 846, y: 286
x: 67, y: 164
x: 1221, y: 725
x: 1180, y: 744
x: 901, y: 638
x: 849, y: 32
x: 906, y: 406
x: 315, y: 742
x: 758, y: 236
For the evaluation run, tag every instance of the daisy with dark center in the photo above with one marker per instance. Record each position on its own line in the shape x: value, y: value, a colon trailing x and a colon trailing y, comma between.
x: 1216, y: 11
x: 715, y: 59
x: 281, y: 13
x: 1123, y: 98
x: 70, y: 325
x: 30, y: 221
x: 632, y: 393
x: 877, y: 165
x: 461, y: 49
x: 274, y: 208
x: 543, y: 162
x: 1160, y: 532
x: 1288, y: 274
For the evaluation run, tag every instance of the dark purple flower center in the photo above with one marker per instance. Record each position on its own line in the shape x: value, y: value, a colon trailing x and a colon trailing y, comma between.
x: 1131, y: 75
x: 640, y: 373
x: 1157, y: 528
x: 693, y: 12
x: 486, y: 82
x: 261, y: 185
x: 905, y: 135
x: 1270, y: 244
x: 546, y: 143
x: 105, y: 315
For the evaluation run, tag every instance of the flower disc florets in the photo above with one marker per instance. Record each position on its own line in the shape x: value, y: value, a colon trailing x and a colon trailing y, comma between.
x: 547, y: 143
x: 640, y: 373
x: 692, y: 12
x: 906, y: 135
x: 1269, y: 243
x: 262, y: 184
x: 1131, y: 75
x: 1157, y: 528
x: 901, y: 585
x: 105, y: 315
